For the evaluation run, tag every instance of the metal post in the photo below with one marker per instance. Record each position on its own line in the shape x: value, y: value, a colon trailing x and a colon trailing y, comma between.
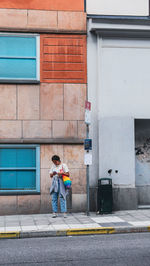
x: 87, y: 178
x: 88, y: 198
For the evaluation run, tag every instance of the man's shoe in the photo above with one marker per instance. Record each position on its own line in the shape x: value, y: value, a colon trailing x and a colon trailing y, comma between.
x: 65, y: 215
x: 54, y: 215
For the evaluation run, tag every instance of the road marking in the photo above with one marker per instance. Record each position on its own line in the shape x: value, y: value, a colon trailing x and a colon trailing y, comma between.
x: 148, y: 228
x: 90, y: 231
x: 9, y: 234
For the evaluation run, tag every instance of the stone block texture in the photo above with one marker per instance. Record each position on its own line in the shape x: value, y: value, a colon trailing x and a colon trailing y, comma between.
x: 8, y: 205
x: 28, y: 102
x: 53, y: 110
x: 7, y: 101
x: 23, y: 204
x: 10, y: 129
x: 37, y: 129
x: 42, y: 19
x: 11, y: 18
x: 45, y: 111
x: 51, y: 101
x: 23, y: 16
x: 74, y: 99
x: 71, y: 21
x: 28, y: 204
x: 67, y: 129
x: 47, y: 151
x: 73, y: 156
x: 81, y: 130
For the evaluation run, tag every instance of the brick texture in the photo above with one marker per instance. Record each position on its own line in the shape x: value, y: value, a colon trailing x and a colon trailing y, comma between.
x: 63, y: 58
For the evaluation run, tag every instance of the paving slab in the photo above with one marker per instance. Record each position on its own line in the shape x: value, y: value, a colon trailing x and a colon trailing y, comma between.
x: 38, y: 225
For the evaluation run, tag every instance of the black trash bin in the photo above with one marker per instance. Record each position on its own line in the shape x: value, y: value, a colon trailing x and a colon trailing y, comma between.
x: 104, y: 196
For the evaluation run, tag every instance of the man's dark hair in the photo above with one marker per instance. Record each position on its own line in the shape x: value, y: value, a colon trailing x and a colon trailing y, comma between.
x: 55, y: 158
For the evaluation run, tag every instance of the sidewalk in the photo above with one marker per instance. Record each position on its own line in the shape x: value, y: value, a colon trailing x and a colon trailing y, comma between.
x: 42, y: 225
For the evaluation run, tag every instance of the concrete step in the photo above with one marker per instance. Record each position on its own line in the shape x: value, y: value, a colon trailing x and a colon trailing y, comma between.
x: 142, y: 207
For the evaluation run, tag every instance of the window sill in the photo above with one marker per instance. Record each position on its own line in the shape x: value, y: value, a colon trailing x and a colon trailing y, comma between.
x: 16, y: 81
x: 15, y: 193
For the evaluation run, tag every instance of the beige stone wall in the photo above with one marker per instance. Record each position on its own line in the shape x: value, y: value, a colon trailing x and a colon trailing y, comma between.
x: 43, y: 20
x: 45, y: 111
x: 38, y: 112
x: 52, y: 111
x: 73, y: 156
x: 70, y: 154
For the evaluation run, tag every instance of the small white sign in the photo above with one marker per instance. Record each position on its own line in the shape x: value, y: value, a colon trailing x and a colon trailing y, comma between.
x: 87, y: 117
x: 105, y: 182
x: 88, y: 158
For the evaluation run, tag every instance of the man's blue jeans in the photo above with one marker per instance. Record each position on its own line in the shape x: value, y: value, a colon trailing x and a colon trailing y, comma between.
x: 63, y: 204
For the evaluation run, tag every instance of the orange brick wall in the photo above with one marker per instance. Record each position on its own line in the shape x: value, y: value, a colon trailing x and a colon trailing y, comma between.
x: 68, y: 5
x: 63, y: 58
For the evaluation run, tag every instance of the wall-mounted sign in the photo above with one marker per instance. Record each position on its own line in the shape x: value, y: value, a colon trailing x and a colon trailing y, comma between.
x: 88, y: 158
x: 87, y: 117
x: 88, y: 144
x: 88, y: 105
x: 87, y: 113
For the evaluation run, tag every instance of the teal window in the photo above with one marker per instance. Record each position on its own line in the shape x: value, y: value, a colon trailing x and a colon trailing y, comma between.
x: 19, y: 168
x: 19, y: 58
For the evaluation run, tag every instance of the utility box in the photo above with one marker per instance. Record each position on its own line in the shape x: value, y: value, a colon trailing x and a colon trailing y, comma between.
x: 104, y: 196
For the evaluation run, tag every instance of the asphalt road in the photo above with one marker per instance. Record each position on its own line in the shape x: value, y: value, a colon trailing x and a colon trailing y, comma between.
x: 118, y: 250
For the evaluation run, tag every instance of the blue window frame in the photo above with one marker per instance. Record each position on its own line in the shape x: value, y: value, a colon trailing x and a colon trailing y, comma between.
x: 19, y: 58
x: 19, y: 169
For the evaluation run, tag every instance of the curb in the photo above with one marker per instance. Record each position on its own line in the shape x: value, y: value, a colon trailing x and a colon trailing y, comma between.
x: 90, y: 231
x: 9, y: 235
x: 74, y: 232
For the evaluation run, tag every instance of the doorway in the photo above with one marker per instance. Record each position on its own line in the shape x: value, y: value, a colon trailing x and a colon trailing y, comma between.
x: 142, y: 161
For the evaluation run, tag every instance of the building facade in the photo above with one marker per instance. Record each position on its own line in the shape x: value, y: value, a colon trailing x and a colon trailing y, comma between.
x: 42, y: 96
x: 118, y: 44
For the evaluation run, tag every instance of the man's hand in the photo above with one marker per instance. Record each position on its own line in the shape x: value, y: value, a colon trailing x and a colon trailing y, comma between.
x: 63, y: 173
x: 60, y: 174
x: 54, y: 173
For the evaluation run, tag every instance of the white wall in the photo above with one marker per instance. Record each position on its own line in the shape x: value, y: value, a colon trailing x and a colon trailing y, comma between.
x: 118, y: 7
x: 92, y: 96
x: 123, y: 94
x: 116, y: 152
x: 125, y: 78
